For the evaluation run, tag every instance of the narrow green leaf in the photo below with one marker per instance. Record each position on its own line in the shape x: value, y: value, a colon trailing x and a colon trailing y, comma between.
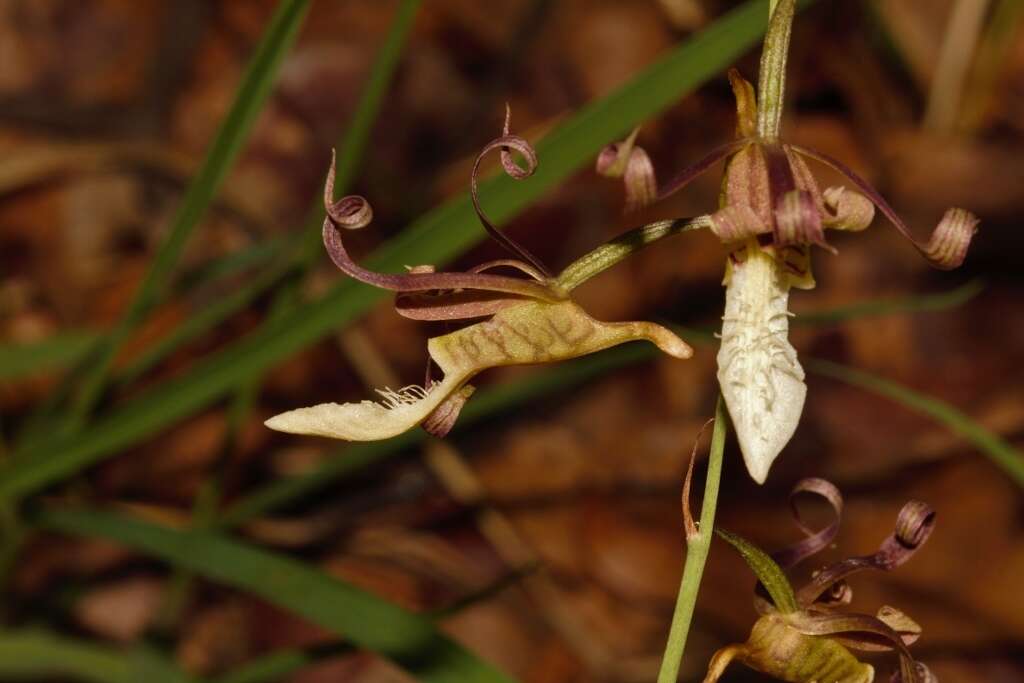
x: 409, y: 640
x: 255, y: 87
x: 19, y: 360
x: 882, y: 307
x: 39, y: 655
x: 350, y: 153
x: 436, y: 238
x: 768, y: 573
x: 276, y: 666
x: 997, y: 449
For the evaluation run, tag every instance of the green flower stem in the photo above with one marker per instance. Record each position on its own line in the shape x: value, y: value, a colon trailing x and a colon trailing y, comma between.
x: 697, y: 549
x: 623, y: 246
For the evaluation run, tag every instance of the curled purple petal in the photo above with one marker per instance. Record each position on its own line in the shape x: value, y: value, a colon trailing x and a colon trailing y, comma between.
x: 948, y: 244
x: 913, y: 527
x: 351, y: 212
x: 815, y: 541
x: 505, y: 143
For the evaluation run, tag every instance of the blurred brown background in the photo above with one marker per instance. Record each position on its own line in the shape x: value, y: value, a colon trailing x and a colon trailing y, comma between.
x: 106, y: 107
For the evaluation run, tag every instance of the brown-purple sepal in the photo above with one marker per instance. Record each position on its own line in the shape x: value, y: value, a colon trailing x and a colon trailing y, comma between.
x: 846, y: 209
x: 441, y: 421
x: 737, y: 223
x: 798, y: 220
x: 947, y: 246
x: 630, y: 162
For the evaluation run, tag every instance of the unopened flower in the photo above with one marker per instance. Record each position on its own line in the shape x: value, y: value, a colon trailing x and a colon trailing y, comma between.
x: 804, y: 636
x: 527, y: 319
x: 772, y: 211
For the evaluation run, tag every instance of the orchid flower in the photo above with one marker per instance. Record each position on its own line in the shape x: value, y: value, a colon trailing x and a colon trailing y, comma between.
x: 802, y: 636
x: 526, y: 319
x: 772, y: 211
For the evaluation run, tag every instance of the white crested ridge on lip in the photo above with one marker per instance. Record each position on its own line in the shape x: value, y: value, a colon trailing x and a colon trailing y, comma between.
x: 397, y: 412
x: 761, y: 379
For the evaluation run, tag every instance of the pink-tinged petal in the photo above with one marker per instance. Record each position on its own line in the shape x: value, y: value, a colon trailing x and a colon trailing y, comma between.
x: 847, y: 210
x: 641, y: 184
x: 948, y: 244
x: 509, y: 263
x: 422, y: 282
x: 746, y: 105
x: 450, y: 306
x: 505, y: 143
x: 796, y: 215
x: 737, y: 223
x: 798, y: 221
x: 630, y: 162
x: 684, y: 177
x: 613, y: 158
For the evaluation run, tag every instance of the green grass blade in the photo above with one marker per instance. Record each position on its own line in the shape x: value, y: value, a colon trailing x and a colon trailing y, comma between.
x: 436, y: 238
x: 231, y: 136
x: 409, y: 640
x: 38, y: 655
x: 997, y: 449
x: 350, y: 153
x: 882, y: 307
x: 276, y: 666
x: 60, y: 350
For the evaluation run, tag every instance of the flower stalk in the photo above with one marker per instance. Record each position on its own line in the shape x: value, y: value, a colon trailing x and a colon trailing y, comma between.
x: 698, y: 544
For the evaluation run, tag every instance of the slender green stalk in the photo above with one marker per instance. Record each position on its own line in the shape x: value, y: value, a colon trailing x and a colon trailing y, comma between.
x: 771, y: 90
x: 697, y: 548
x: 610, y: 253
